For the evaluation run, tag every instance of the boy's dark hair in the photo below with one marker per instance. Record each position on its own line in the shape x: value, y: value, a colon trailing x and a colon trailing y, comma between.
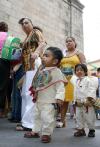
x: 3, y: 27
x: 57, y: 53
x: 98, y: 69
x: 84, y: 67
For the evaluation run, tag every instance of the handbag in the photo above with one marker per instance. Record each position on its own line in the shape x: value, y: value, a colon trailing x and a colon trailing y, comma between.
x: 96, y: 103
x: 11, y: 48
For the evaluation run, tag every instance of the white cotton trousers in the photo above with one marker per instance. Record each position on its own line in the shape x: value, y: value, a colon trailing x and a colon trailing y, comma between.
x: 44, y: 118
x: 85, y: 117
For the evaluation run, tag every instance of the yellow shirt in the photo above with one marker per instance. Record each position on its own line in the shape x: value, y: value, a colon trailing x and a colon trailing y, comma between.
x: 69, y: 62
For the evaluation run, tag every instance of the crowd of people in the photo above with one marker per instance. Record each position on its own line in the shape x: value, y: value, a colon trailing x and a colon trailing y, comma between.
x: 38, y: 88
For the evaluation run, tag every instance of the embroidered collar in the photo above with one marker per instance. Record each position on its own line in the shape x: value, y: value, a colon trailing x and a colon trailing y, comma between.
x: 80, y: 79
x: 49, y: 68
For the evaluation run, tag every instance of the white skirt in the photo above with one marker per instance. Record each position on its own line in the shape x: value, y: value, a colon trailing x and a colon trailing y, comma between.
x: 27, y: 103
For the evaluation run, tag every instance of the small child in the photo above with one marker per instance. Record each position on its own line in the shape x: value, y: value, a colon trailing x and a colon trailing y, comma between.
x: 85, y: 92
x: 49, y: 87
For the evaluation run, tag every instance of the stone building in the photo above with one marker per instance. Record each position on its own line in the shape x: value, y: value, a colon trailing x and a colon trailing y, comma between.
x: 57, y: 18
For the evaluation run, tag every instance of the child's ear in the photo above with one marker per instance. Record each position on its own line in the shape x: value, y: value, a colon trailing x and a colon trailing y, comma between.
x: 55, y: 62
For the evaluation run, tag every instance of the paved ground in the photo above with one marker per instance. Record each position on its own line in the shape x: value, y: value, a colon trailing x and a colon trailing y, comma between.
x: 61, y: 137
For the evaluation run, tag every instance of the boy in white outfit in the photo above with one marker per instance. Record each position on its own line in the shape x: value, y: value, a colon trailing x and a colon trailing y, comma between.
x: 85, y: 92
x: 48, y: 85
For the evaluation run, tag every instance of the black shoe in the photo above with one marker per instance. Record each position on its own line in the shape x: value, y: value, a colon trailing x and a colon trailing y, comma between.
x: 19, y: 127
x: 91, y: 133
x: 79, y: 133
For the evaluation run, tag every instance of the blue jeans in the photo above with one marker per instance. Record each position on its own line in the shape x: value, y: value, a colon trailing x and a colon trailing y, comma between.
x: 4, y: 78
x: 16, y: 99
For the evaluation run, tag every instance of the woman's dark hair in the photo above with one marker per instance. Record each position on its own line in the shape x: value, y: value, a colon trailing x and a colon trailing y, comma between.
x: 3, y: 27
x: 34, y: 27
x: 72, y: 39
x: 38, y: 28
x: 84, y: 67
x: 22, y: 19
x: 57, y: 53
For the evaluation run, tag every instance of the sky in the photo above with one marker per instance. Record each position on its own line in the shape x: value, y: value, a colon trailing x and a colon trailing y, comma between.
x: 91, y: 28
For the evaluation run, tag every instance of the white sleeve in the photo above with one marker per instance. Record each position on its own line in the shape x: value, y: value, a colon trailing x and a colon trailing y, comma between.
x: 93, y: 85
x: 73, y: 80
x: 60, y: 88
x: 60, y: 91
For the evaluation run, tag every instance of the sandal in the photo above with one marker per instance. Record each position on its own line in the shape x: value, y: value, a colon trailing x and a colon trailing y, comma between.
x: 60, y: 125
x: 80, y: 133
x: 46, y: 138
x: 19, y: 127
x: 31, y: 134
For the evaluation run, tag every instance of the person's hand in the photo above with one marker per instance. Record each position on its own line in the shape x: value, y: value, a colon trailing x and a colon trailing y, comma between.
x: 20, y: 83
x: 34, y: 56
x: 59, y: 102
x: 78, y: 104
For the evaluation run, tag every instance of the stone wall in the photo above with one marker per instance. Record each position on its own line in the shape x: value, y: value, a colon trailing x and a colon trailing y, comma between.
x: 57, y: 18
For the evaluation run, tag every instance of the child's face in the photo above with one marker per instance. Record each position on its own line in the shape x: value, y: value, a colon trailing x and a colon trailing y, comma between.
x: 80, y: 72
x: 48, y: 59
